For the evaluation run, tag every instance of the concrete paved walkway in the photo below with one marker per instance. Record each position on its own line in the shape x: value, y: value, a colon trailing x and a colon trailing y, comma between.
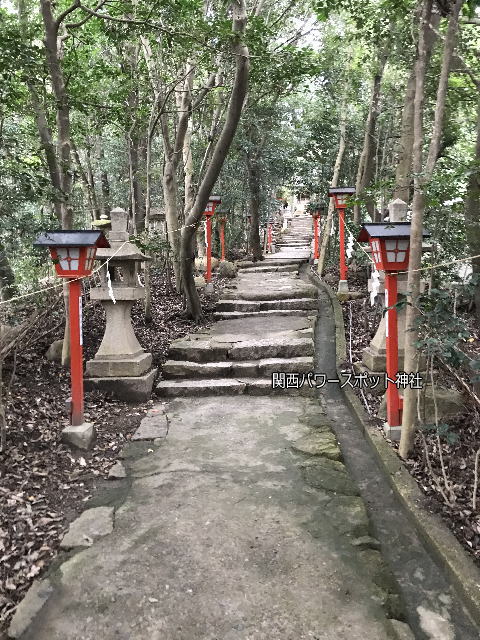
x: 238, y: 518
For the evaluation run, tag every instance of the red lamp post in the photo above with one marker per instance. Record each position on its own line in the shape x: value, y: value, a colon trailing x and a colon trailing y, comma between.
x: 73, y: 253
x: 222, y: 220
x: 213, y: 201
x: 390, y: 244
x: 269, y: 235
x: 316, y: 213
x: 340, y: 196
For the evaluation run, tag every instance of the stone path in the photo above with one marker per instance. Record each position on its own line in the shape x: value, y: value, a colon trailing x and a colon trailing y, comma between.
x: 237, y: 519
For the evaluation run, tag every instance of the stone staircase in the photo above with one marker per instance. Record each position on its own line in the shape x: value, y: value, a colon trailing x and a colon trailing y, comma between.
x: 265, y: 324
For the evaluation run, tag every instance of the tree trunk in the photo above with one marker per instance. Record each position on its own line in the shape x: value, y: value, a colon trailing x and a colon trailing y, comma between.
x: 105, y: 202
x: 234, y: 111
x: 63, y: 110
x: 336, y: 172
x: 171, y: 215
x: 137, y: 194
x: 254, y: 209
x: 7, y: 277
x: 403, y: 175
x: 366, y: 163
x: 472, y: 215
x: 421, y: 179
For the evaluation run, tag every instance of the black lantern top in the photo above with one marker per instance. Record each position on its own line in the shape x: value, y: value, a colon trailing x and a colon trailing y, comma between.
x: 386, y: 230
x: 70, y: 238
x: 336, y: 191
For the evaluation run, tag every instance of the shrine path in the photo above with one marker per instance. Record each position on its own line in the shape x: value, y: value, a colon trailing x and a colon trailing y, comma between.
x: 238, y: 518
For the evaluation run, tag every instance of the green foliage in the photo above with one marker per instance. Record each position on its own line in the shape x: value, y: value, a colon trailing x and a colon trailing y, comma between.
x: 443, y: 430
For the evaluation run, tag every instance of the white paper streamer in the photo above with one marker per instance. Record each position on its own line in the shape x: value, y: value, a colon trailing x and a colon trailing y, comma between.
x: 139, y: 281
x: 375, y: 286
x: 349, y: 250
x: 332, y: 228
x: 110, y: 289
x: 206, y: 234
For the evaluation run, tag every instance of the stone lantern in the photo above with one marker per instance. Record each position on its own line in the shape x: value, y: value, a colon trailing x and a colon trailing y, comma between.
x: 157, y: 220
x: 120, y: 366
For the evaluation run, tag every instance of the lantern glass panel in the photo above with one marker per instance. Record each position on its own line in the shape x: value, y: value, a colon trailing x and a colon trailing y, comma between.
x: 69, y: 258
x: 377, y: 256
x: 396, y: 249
x: 91, y: 252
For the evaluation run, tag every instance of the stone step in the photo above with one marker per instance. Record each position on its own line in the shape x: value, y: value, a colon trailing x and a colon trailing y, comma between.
x: 273, y: 292
x: 233, y: 315
x: 242, y: 368
x: 278, y: 261
x: 266, y: 305
x: 211, y: 351
x: 287, y: 268
x: 224, y: 386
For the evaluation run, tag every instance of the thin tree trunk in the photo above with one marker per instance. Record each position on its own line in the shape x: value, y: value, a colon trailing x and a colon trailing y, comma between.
x: 7, y: 277
x: 171, y: 215
x: 336, y: 173
x: 64, y: 159
x: 472, y: 214
x: 63, y: 110
x: 234, y: 111
x: 403, y: 174
x: 87, y: 180
x: 421, y: 180
x: 254, y: 209
x: 105, y: 184
x: 366, y: 163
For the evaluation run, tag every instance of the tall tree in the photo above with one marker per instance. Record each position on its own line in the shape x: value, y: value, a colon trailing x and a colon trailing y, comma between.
x: 422, y: 176
x: 232, y: 118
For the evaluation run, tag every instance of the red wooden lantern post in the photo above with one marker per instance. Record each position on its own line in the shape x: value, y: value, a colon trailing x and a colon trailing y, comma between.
x: 209, y: 213
x: 269, y: 235
x: 390, y: 244
x: 73, y: 253
x: 222, y: 220
x: 340, y: 196
x: 316, y: 213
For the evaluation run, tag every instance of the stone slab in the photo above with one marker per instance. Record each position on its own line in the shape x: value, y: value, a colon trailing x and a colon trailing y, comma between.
x: 88, y: 527
x: 29, y: 607
x: 348, y: 515
x: 328, y: 475
x: 267, y: 305
x: 119, y: 367
x: 151, y: 427
x: 197, y: 352
x: 202, y: 387
x: 81, y: 436
x: 302, y: 364
x: 260, y: 325
x: 235, y: 315
x: 117, y: 472
x: 319, y: 443
x: 184, y: 368
x: 275, y: 348
x: 128, y: 389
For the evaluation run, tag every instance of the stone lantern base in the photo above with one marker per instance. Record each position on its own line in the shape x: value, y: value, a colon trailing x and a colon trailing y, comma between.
x: 127, y: 388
